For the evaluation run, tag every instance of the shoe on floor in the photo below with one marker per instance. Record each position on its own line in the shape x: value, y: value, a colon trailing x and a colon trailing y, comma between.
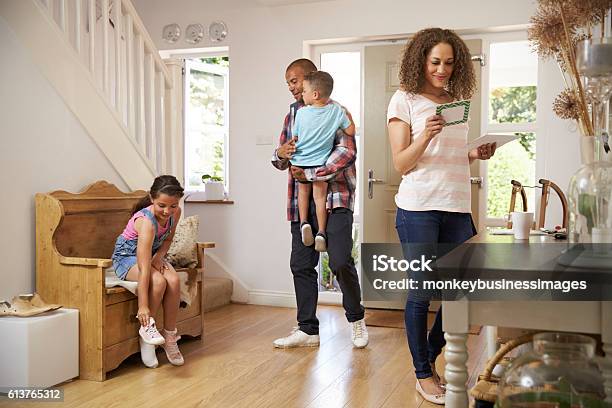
x: 150, y: 334
x: 320, y: 242
x: 171, y: 348
x: 297, y: 338
x: 359, y: 333
x: 307, y: 237
x: 147, y: 354
x: 438, y: 399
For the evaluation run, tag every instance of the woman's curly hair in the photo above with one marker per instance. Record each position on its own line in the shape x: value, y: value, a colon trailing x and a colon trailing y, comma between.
x: 461, y: 84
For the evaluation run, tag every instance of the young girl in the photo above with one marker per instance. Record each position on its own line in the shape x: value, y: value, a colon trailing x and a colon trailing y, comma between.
x: 433, y: 199
x: 139, y: 256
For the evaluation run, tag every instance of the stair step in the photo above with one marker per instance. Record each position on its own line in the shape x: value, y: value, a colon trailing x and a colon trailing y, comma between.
x: 217, y: 292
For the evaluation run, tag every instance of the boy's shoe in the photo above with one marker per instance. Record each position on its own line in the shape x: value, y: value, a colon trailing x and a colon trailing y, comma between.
x: 150, y: 334
x: 297, y: 338
x: 171, y: 348
x: 147, y: 354
x: 320, y: 242
x: 307, y: 238
x: 359, y: 334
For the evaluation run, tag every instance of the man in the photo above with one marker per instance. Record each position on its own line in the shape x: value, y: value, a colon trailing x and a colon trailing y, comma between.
x: 339, y: 172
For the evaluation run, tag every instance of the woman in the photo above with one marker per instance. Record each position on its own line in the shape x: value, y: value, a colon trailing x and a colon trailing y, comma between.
x: 434, y: 196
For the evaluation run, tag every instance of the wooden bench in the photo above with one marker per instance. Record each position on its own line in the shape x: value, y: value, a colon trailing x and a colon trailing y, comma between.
x: 75, y: 238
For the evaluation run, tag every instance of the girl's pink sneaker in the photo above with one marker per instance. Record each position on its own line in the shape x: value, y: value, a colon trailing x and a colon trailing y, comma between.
x: 150, y: 335
x: 171, y: 348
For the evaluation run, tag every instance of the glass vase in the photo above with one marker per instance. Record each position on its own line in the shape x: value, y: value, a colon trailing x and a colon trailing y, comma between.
x: 590, y: 195
x: 560, y: 372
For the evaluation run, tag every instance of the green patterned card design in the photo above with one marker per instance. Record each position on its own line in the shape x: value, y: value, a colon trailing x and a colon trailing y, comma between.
x: 454, y: 112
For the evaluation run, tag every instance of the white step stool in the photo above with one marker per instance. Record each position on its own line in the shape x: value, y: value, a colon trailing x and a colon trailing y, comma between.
x: 39, y: 351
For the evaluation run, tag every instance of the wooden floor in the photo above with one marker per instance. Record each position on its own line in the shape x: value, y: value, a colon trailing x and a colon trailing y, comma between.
x: 236, y: 366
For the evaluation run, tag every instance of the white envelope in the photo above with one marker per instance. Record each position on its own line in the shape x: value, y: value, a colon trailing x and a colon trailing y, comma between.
x: 492, y: 138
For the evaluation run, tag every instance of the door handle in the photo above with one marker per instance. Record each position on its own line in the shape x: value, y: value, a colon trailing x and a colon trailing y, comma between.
x: 477, y: 180
x: 371, y: 181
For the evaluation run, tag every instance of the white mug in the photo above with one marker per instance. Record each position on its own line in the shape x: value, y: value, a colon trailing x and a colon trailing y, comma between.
x: 521, y: 224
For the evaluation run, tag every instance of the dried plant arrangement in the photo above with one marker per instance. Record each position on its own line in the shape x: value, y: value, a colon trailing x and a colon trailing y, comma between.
x: 555, y: 29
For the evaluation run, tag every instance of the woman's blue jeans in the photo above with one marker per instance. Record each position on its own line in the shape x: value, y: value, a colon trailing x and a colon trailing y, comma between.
x: 427, y: 227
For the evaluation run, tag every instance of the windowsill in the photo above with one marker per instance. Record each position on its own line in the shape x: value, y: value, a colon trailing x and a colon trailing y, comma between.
x: 195, y: 200
x: 200, y: 197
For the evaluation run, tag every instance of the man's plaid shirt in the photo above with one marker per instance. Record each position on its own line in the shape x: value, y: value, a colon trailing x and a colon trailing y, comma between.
x: 339, y: 169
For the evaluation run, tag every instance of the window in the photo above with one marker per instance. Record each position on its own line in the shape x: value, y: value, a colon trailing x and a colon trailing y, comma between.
x: 206, y: 120
x: 345, y: 68
x: 511, y: 109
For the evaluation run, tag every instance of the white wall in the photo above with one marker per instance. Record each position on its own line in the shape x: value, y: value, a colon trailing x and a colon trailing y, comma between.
x: 44, y: 148
x: 253, y: 235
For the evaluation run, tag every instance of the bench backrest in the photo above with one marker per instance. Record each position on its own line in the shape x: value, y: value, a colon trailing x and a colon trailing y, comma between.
x: 92, y: 219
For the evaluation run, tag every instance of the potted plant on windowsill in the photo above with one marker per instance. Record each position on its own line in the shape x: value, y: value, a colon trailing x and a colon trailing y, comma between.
x: 214, y: 190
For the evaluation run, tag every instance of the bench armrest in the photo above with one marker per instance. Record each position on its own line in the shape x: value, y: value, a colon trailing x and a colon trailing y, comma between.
x: 99, y: 262
x: 201, y: 246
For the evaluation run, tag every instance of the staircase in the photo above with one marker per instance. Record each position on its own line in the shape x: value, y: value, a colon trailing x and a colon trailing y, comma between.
x: 99, y: 57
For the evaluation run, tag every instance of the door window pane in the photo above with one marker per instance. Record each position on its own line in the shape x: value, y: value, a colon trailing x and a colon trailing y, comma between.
x: 512, y: 83
x: 514, y: 161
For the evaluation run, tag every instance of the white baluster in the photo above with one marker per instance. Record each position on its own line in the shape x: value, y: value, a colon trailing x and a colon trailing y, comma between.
x: 77, y: 26
x: 105, y: 79
x: 129, y: 68
x: 91, y: 19
x: 606, y: 338
x: 62, y: 14
x: 149, y: 87
x: 456, y: 370
x: 606, y: 370
x: 174, y: 123
x: 118, y: 59
x: 160, y: 125
x: 139, y: 82
x: 51, y: 8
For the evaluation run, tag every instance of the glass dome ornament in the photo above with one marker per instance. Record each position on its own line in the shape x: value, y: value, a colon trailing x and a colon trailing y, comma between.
x: 194, y: 33
x: 171, y: 33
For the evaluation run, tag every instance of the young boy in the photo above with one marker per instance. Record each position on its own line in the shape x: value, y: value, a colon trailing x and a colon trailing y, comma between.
x: 315, y: 128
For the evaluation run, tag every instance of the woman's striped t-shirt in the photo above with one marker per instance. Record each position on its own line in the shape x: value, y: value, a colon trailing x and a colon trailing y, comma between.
x: 441, y: 178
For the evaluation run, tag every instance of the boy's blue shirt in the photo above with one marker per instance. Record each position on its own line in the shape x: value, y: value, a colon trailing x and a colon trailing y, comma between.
x: 316, y: 129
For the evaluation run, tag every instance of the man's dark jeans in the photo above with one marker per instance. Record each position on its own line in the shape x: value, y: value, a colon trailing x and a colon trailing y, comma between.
x: 305, y: 259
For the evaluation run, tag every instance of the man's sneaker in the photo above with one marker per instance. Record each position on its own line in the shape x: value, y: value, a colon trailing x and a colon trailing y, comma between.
x: 171, y: 348
x: 359, y: 333
x: 147, y: 354
x: 321, y: 242
x: 307, y: 238
x: 297, y: 338
x: 150, y: 334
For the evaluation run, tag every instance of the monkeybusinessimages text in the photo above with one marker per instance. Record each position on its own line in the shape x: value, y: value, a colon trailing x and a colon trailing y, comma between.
x: 385, y: 263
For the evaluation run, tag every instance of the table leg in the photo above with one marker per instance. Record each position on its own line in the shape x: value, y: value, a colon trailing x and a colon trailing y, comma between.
x: 606, y: 370
x: 456, y: 370
x: 491, y: 339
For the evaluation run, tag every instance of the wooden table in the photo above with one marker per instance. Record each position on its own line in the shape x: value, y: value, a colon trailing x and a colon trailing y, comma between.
x: 572, y: 316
